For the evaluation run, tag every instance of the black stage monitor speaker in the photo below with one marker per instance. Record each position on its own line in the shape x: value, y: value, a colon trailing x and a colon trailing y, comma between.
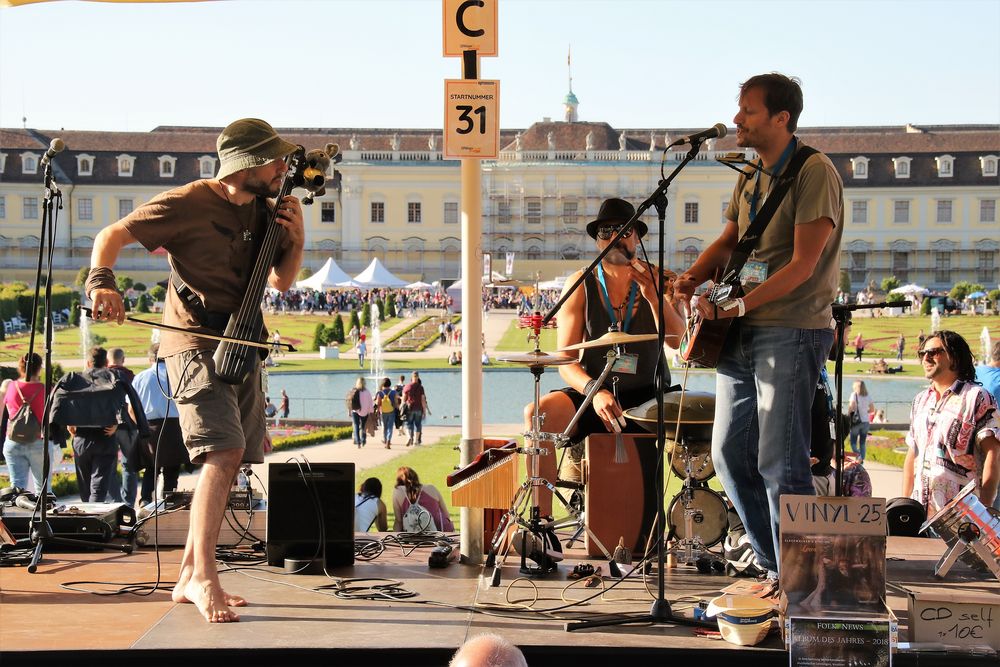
x: 293, y: 525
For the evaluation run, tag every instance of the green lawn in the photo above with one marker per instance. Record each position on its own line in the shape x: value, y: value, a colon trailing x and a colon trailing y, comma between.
x: 515, y: 339
x: 883, y: 331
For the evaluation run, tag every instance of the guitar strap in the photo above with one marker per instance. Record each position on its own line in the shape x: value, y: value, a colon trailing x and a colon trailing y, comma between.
x: 747, y: 243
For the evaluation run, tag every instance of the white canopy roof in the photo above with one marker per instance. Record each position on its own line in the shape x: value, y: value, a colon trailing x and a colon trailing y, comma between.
x: 376, y: 275
x: 910, y: 289
x: 328, y: 277
x: 420, y: 284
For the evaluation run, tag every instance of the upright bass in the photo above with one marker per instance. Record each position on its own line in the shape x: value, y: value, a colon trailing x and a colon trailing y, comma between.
x: 234, y: 360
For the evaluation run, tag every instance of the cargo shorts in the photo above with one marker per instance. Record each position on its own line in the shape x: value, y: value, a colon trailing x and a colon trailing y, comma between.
x: 214, y: 415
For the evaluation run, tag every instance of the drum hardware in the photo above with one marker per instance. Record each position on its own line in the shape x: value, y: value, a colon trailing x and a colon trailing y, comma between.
x: 613, y: 337
x: 535, y: 538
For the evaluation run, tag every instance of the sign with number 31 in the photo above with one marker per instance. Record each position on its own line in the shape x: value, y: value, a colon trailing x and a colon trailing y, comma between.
x: 471, y: 118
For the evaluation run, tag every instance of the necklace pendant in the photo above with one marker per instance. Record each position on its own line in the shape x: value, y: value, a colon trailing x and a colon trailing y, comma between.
x: 247, y: 236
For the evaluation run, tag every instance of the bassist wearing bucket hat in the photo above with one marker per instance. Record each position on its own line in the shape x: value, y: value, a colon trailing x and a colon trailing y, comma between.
x: 211, y: 229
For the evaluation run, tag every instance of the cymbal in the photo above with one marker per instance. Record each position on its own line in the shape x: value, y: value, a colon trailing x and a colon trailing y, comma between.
x: 539, y: 358
x: 613, y: 338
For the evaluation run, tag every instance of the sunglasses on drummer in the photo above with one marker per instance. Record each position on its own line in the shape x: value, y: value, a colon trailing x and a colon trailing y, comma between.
x: 608, y: 231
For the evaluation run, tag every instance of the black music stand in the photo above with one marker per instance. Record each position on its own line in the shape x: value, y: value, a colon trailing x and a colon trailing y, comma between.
x: 40, y: 532
x: 660, y: 612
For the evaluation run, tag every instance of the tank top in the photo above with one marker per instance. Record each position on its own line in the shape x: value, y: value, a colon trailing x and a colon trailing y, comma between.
x: 365, y: 511
x: 597, y: 323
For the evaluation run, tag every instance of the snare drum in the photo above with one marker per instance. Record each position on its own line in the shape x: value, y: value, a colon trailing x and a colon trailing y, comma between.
x: 692, y: 460
x: 710, y: 516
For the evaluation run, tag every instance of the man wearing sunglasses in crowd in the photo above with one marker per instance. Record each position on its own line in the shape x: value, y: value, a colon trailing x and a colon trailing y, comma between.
x: 954, y: 428
x: 620, y: 294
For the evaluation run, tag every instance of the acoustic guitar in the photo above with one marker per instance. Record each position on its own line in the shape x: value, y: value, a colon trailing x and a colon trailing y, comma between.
x: 703, y: 340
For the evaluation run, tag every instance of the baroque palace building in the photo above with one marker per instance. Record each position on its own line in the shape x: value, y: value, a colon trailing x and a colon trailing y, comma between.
x: 920, y: 202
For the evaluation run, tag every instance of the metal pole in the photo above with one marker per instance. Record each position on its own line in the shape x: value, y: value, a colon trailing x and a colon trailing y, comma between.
x: 472, y: 331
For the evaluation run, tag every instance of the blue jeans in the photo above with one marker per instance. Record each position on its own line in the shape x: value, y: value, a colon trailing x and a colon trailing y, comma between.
x: 360, y: 436
x: 24, y: 458
x: 859, y: 434
x: 388, y: 421
x: 414, y: 423
x: 765, y: 386
x: 126, y: 487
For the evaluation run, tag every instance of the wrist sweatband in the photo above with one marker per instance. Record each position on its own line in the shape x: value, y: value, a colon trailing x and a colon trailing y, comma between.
x: 589, y: 386
x: 100, y: 277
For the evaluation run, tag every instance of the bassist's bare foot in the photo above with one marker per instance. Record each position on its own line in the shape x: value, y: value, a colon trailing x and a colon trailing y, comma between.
x: 210, y: 600
x: 179, y: 594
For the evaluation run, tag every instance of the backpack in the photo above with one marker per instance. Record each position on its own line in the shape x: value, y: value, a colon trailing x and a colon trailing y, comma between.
x: 856, y: 481
x: 354, y: 399
x: 418, y: 519
x: 414, y: 397
x: 388, y: 403
x: 92, y: 399
x: 24, y: 426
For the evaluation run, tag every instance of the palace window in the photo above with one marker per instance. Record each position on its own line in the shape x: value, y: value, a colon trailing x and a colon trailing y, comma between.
x: 125, y: 207
x: 126, y: 164
x: 85, y: 208
x: 944, y: 211
x: 206, y: 166
x: 503, y: 212
x: 451, y: 213
x: 987, y: 266
x: 859, y: 167
x: 859, y: 211
x: 691, y: 213
x: 328, y: 212
x: 85, y: 165
x: 29, y: 208
x: 570, y: 214
x: 988, y: 163
x: 167, y: 165
x: 3, y: 207
x: 942, y: 267
x: 533, y: 210
x: 378, y: 212
x: 413, y: 212
x: 901, y: 211
x: 29, y: 163
x: 945, y: 166
x: 902, y: 166
x: 987, y: 210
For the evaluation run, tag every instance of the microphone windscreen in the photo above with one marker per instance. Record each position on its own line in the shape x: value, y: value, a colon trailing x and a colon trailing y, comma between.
x: 723, y: 130
x: 57, y: 145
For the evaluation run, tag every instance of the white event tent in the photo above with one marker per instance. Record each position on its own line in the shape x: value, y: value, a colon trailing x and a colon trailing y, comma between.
x: 328, y: 277
x: 376, y: 275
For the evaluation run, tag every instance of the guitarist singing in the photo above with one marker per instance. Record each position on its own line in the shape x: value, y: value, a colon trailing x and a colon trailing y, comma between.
x: 787, y: 271
x: 211, y: 229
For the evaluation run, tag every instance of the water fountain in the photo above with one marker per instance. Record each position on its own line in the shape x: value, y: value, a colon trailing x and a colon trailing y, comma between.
x: 84, y: 336
x: 375, y: 351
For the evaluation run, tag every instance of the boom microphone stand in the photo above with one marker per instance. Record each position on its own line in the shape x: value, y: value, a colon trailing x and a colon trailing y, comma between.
x: 40, y: 532
x: 660, y: 611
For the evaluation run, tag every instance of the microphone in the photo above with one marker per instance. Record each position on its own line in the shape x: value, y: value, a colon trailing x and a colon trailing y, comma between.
x: 718, y: 130
x: 26, y: 501
x: 55, y: 146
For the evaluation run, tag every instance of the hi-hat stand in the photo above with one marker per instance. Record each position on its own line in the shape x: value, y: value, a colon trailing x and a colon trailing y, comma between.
x: 40, y: 532
x: 536, y: 539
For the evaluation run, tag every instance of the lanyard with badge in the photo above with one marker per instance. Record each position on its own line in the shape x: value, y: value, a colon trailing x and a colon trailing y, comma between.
x: 626, y: 363
x: 755, y: 271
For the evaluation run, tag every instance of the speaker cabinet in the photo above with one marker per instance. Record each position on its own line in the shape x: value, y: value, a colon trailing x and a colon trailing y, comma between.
x: 294, y: 494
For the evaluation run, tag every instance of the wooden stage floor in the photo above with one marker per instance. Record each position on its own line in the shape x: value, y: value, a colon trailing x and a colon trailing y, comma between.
x: 43, y: 623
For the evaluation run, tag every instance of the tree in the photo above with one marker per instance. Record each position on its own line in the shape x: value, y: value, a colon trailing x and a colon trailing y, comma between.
x: 355, y: 320
x: 845, y: 281
x: 895, y: 297
x: 390, y: 306
x: 925, y: 306
x: 144, y: 303
x: 336, y: 330
x: 159, y: 292
x: 81, y: 276
x: 964, y: 288
x: 74, y: 313
x: 139, y: 287
x: 319, y: 336
x: 124, y: 283
x: 994, y: 297
x: 889, y: 284
x: 366, y: 315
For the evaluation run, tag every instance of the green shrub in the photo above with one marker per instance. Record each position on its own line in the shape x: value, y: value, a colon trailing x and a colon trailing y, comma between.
x: 889, y: 284
x: 81, y: 276
x: 312, y: 438
x: 145, y: 301
x: 319, y: 336
x: 355, y: 320
x: 124, y: 283
x: 366, y: 315
x: 336, y: 331
x: 925, y: 306
x: 139, y: 287
x: 158, y: 292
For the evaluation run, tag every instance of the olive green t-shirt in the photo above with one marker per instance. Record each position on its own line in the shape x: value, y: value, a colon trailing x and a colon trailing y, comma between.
x: 818, y: 192
x: 211, y: 245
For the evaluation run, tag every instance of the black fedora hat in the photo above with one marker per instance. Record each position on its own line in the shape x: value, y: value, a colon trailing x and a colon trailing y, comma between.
x: 615, y: 211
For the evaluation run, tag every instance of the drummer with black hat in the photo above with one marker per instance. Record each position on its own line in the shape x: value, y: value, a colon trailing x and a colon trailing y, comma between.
x: 619, y: 295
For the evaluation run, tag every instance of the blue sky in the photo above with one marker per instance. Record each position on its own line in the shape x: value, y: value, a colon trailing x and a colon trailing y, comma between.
x: 378, y: 63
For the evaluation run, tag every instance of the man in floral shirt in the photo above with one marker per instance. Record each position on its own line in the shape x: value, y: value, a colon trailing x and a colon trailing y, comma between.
x: 953, y: 428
